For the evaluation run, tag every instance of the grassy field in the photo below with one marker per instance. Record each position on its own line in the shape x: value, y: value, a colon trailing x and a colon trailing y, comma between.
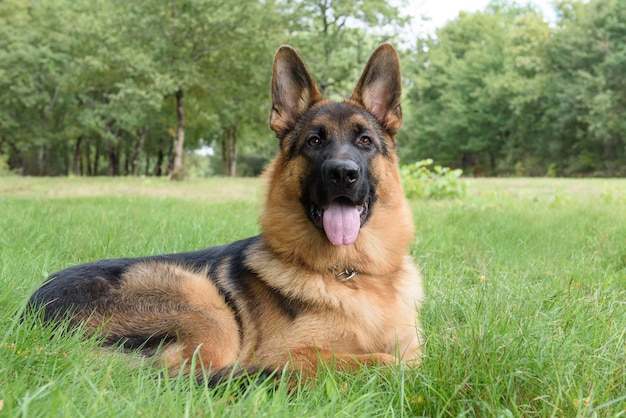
x: 525, y: 312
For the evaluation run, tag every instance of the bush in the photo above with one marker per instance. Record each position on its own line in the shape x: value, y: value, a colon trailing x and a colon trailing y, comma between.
x: 423, y: 180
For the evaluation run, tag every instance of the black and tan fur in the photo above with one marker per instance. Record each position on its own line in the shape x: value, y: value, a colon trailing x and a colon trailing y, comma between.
x: 281, y: 298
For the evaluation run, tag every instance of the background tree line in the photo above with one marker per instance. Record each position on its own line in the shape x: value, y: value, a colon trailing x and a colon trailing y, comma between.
x: 112, y: 87
x: 504, y: 92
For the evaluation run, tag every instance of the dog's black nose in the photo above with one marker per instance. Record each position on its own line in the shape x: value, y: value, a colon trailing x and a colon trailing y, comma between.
x: 343, y: 173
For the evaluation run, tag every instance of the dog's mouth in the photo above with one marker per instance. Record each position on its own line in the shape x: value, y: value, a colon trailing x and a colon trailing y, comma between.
x: 341, y: 219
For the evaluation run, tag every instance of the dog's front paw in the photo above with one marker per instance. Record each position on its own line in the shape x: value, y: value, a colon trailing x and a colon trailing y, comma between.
x: 377, y: 359
x: 383, y: 359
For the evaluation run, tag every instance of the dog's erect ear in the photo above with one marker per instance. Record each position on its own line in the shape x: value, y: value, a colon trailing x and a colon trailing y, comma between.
x: 380, y: 88
x: 293, y: 91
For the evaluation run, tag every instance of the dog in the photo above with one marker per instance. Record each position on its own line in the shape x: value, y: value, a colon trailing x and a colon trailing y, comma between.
x: 328, y: 280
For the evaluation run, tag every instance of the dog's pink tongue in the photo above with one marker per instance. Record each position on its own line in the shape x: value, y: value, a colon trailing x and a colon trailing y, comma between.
x: 342, y: 223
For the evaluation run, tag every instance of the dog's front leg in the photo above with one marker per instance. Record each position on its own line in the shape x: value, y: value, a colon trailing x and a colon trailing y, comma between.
x: 308, y: 360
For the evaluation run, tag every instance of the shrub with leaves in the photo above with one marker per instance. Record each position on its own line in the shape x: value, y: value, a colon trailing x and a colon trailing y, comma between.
x: 423, y: 180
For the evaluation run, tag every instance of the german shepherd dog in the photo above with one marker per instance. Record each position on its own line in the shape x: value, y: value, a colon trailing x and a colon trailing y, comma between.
x: 328, y: 280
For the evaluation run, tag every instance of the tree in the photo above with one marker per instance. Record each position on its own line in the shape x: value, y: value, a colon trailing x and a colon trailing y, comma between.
x: 31, y: 78
x: 341, y: 34
x: 588, y: 56
x: 474, y: 89
x: 525, y: 84
x: 212, y: 56
x: 239, y: 96
x: 114, y: 83
x: 181, y: 35
x: 459, y: 106
x: 504, y: 91
x: 97, y: 77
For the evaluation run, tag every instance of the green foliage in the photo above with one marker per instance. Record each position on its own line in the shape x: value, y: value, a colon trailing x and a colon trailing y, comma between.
x: 87, y: 87
x: 524, y: 312
x: 336, y: 37
x: 423, y: 180
x: 503, y: 91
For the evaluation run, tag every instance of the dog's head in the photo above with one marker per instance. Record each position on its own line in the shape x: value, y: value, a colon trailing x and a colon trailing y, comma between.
x: 338, y: 142
x: 335, y: 197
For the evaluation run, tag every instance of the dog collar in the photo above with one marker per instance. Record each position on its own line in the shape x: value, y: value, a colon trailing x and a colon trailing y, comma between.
x: 344, y: 275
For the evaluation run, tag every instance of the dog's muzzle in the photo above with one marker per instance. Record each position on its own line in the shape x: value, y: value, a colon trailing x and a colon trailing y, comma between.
x: 346, y: 200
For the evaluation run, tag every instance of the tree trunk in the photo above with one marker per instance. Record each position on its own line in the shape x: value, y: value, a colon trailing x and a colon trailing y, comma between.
x: 229, y: 151
x: 127, y: 161
x: 170, y: 158
x: 88, y: 159
x: 113, y: 162
x: 224, y: 151
x: 138, y: 145
x: 147, y: 172
x: 67, y: 169
x: 232, y: 162
x: 114, y: 156
x: 158, y: 167
x: 96, y: 159
x: 118, y: 166
x: 76, y: 163
x: 177, y: 168
x: 41, y: 154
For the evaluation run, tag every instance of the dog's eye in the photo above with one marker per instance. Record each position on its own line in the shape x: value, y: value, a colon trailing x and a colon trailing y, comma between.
x: 365, y: 141
x: 314, y: 141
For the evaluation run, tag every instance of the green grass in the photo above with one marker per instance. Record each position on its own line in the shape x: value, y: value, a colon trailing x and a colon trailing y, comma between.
x: 525, y: 312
